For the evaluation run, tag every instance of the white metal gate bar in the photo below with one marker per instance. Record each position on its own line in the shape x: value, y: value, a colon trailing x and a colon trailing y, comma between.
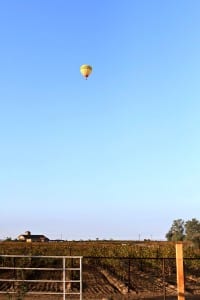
x: 63, y: 270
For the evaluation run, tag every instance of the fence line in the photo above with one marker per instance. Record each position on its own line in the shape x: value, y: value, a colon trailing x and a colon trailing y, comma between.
x: 158, y: 273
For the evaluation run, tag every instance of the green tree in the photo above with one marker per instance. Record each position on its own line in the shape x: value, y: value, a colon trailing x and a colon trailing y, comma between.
x: 8, y: 239
x: 192, y: 231
x: 176, y: 232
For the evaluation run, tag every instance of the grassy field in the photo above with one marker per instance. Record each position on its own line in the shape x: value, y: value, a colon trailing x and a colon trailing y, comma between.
x: 94, y: 248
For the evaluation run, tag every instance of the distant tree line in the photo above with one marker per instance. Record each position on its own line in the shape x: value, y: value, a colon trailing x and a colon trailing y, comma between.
x: 185, y: 231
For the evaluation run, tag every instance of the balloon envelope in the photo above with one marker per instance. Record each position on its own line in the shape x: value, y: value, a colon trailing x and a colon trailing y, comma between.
x: 86, y: 70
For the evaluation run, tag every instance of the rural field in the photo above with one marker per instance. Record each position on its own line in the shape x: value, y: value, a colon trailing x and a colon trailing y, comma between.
x: 110, y: 270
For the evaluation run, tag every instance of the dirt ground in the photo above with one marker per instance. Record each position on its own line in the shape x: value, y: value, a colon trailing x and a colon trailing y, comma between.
x: 116, y: 297
x: 119, y: 297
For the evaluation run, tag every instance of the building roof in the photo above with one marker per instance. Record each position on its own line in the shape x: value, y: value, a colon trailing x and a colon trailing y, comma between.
x: 29, y: 236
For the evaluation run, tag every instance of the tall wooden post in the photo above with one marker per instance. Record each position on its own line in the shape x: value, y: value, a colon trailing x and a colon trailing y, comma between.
x: 180, y: 272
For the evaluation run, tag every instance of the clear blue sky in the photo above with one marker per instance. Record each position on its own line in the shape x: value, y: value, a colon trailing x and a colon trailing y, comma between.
x: 116, y: 156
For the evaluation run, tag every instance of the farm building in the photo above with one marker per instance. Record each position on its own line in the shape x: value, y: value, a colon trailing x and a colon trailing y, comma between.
x: 28, y: 237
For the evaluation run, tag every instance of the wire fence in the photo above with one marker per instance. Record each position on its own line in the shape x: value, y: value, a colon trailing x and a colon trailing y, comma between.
x: 147, y: 277
x: 93, y: 277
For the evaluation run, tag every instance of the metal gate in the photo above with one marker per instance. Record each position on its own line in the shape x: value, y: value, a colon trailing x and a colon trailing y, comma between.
x: 25, y: 274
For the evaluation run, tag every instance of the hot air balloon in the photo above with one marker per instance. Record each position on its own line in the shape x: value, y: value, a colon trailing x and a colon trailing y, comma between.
x: 86, y: 70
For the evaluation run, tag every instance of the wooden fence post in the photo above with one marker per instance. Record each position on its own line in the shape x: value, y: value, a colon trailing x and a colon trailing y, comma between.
x: 180, y: 271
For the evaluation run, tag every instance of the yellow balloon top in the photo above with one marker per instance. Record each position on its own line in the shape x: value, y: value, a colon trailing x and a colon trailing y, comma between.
x: 86, y: 70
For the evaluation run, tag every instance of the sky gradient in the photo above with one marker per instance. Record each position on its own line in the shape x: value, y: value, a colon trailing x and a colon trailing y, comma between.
x: 116, y: 156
